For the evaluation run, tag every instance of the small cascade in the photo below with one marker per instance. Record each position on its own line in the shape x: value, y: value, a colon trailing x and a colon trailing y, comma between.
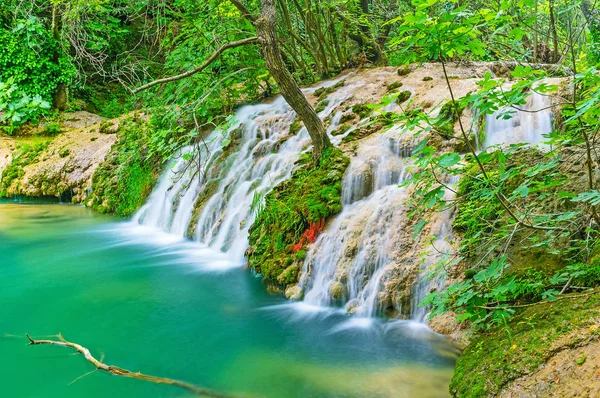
x: 526, y: 126
x: 349, y: 260
x: 208, y: 191
x: 440, y: 249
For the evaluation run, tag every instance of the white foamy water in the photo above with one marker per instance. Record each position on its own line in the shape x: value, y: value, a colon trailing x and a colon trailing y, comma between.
x: 229, y: 179
x: 525, y: 126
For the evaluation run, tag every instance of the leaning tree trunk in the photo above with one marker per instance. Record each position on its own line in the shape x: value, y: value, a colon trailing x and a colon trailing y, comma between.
x: 266, y: 28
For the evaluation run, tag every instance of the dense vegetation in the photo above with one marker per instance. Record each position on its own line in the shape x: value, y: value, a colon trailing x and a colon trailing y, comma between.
x: 528, y: 220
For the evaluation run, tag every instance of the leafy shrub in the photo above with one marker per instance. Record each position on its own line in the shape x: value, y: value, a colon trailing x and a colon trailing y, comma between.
x: 30, y: 56
x: 18, y: 107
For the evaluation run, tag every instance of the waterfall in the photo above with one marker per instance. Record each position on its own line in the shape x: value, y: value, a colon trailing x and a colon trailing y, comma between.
x: 524, y: 126
x: 207, y: 192
x: 367, y: 259
x: 348, y: 262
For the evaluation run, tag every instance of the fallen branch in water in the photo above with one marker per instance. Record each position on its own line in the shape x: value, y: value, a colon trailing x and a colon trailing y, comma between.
x: 115, y: 370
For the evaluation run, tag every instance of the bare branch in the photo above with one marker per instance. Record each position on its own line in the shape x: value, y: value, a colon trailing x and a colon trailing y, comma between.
x: 210, y: 60
x: 115, y: 370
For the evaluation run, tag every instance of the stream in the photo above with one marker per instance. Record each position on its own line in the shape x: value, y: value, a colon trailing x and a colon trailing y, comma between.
x: 157, y: 303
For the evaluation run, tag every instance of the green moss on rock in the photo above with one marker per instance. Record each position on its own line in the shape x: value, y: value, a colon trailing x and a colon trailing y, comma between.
x: 361, y: 110
x: 495, y: 359
x: 25, y: 154
x: 393, y: 86
x: 312, y: 195
x: 403, y: 96
x: 124, y: 180
x: 404, y: 70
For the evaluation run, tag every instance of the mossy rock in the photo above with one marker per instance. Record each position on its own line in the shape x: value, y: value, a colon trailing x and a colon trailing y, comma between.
x: 124, y: 180
x: 25, y: 154
x: 404, y: 70
x: 296, y: 126
x: 310, y: 196
x: 363, y: 132
x: 361, y: 110
x: 447, y: 117
x: 496, y: 358
x: 403, y: 96
x: 341, y: 130
x: 393, y: 86
x: 321, y: 105
x: 323, y: 92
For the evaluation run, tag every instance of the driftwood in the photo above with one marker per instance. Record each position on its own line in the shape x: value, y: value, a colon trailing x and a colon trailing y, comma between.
x: 115, y: 370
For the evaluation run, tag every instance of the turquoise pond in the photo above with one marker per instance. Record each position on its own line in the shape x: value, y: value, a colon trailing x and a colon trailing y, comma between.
x: 147, y: 302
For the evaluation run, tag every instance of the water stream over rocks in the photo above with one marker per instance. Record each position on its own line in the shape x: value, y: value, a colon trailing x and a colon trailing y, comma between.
x: 366, y: 260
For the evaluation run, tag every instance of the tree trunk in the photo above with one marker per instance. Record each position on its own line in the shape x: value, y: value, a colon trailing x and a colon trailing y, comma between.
x: 60, y: 96
x: 266, y: 28
x: 556, y: 56
x: 588, y: 12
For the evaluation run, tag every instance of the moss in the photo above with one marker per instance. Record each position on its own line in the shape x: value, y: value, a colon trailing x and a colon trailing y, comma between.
x: 346, y: 117
x: 404, y: 70
x: 403, y: 96
x: 106, y: 127
x: 341, y: 130
x: 207, y: 192
x: 321, y: 105
x: 493, y: 360
x: 361, y: 110
x: 123, y: 181
x: 363, y: 132
x: 393, y: 86
x: 446, y: 119
x: 26, y: 153
x: 323, y: 92
x: 52, y: 129
x: 310, y: 196
x: 427, y: 78
x: 296, y: 126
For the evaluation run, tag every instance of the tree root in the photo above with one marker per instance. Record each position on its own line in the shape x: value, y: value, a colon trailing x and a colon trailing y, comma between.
x: 117, y: 371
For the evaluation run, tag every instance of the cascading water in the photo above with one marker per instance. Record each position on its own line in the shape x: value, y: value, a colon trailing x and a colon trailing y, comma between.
x: 207, y: 192
x: 528, y: 125
x: 349, y: 260
x: 369, y: 245
x: 366, y: 259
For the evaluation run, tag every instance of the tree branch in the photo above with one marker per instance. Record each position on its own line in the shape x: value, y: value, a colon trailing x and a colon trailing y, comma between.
x: 243, y: 10
x: 210, y: 60
x: 124, y: 372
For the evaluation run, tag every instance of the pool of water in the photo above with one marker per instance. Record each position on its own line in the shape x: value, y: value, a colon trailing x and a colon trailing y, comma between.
x: 147, y: 302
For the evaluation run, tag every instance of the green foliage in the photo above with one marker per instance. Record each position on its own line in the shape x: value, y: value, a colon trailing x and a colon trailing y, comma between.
x: 32, y: 59
x: 495, y: 359
x: 123, y: 181
x: 17, y: 107
x: 311, y: 195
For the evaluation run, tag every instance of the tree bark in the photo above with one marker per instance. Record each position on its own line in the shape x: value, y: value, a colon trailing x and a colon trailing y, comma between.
x: 60, y: 96
x: 266, y: 29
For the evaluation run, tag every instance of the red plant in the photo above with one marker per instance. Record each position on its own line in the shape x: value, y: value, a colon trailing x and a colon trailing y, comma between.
x: 310, y: 235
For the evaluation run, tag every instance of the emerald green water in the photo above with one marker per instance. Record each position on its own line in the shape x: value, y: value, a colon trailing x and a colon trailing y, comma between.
x: 160, y: 307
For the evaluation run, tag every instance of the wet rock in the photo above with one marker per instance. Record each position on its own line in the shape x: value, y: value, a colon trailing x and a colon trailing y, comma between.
x: 294, y: 292
x: 337, y: 290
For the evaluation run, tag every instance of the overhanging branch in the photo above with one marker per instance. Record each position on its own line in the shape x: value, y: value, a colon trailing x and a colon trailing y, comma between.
x: 210, y: 60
